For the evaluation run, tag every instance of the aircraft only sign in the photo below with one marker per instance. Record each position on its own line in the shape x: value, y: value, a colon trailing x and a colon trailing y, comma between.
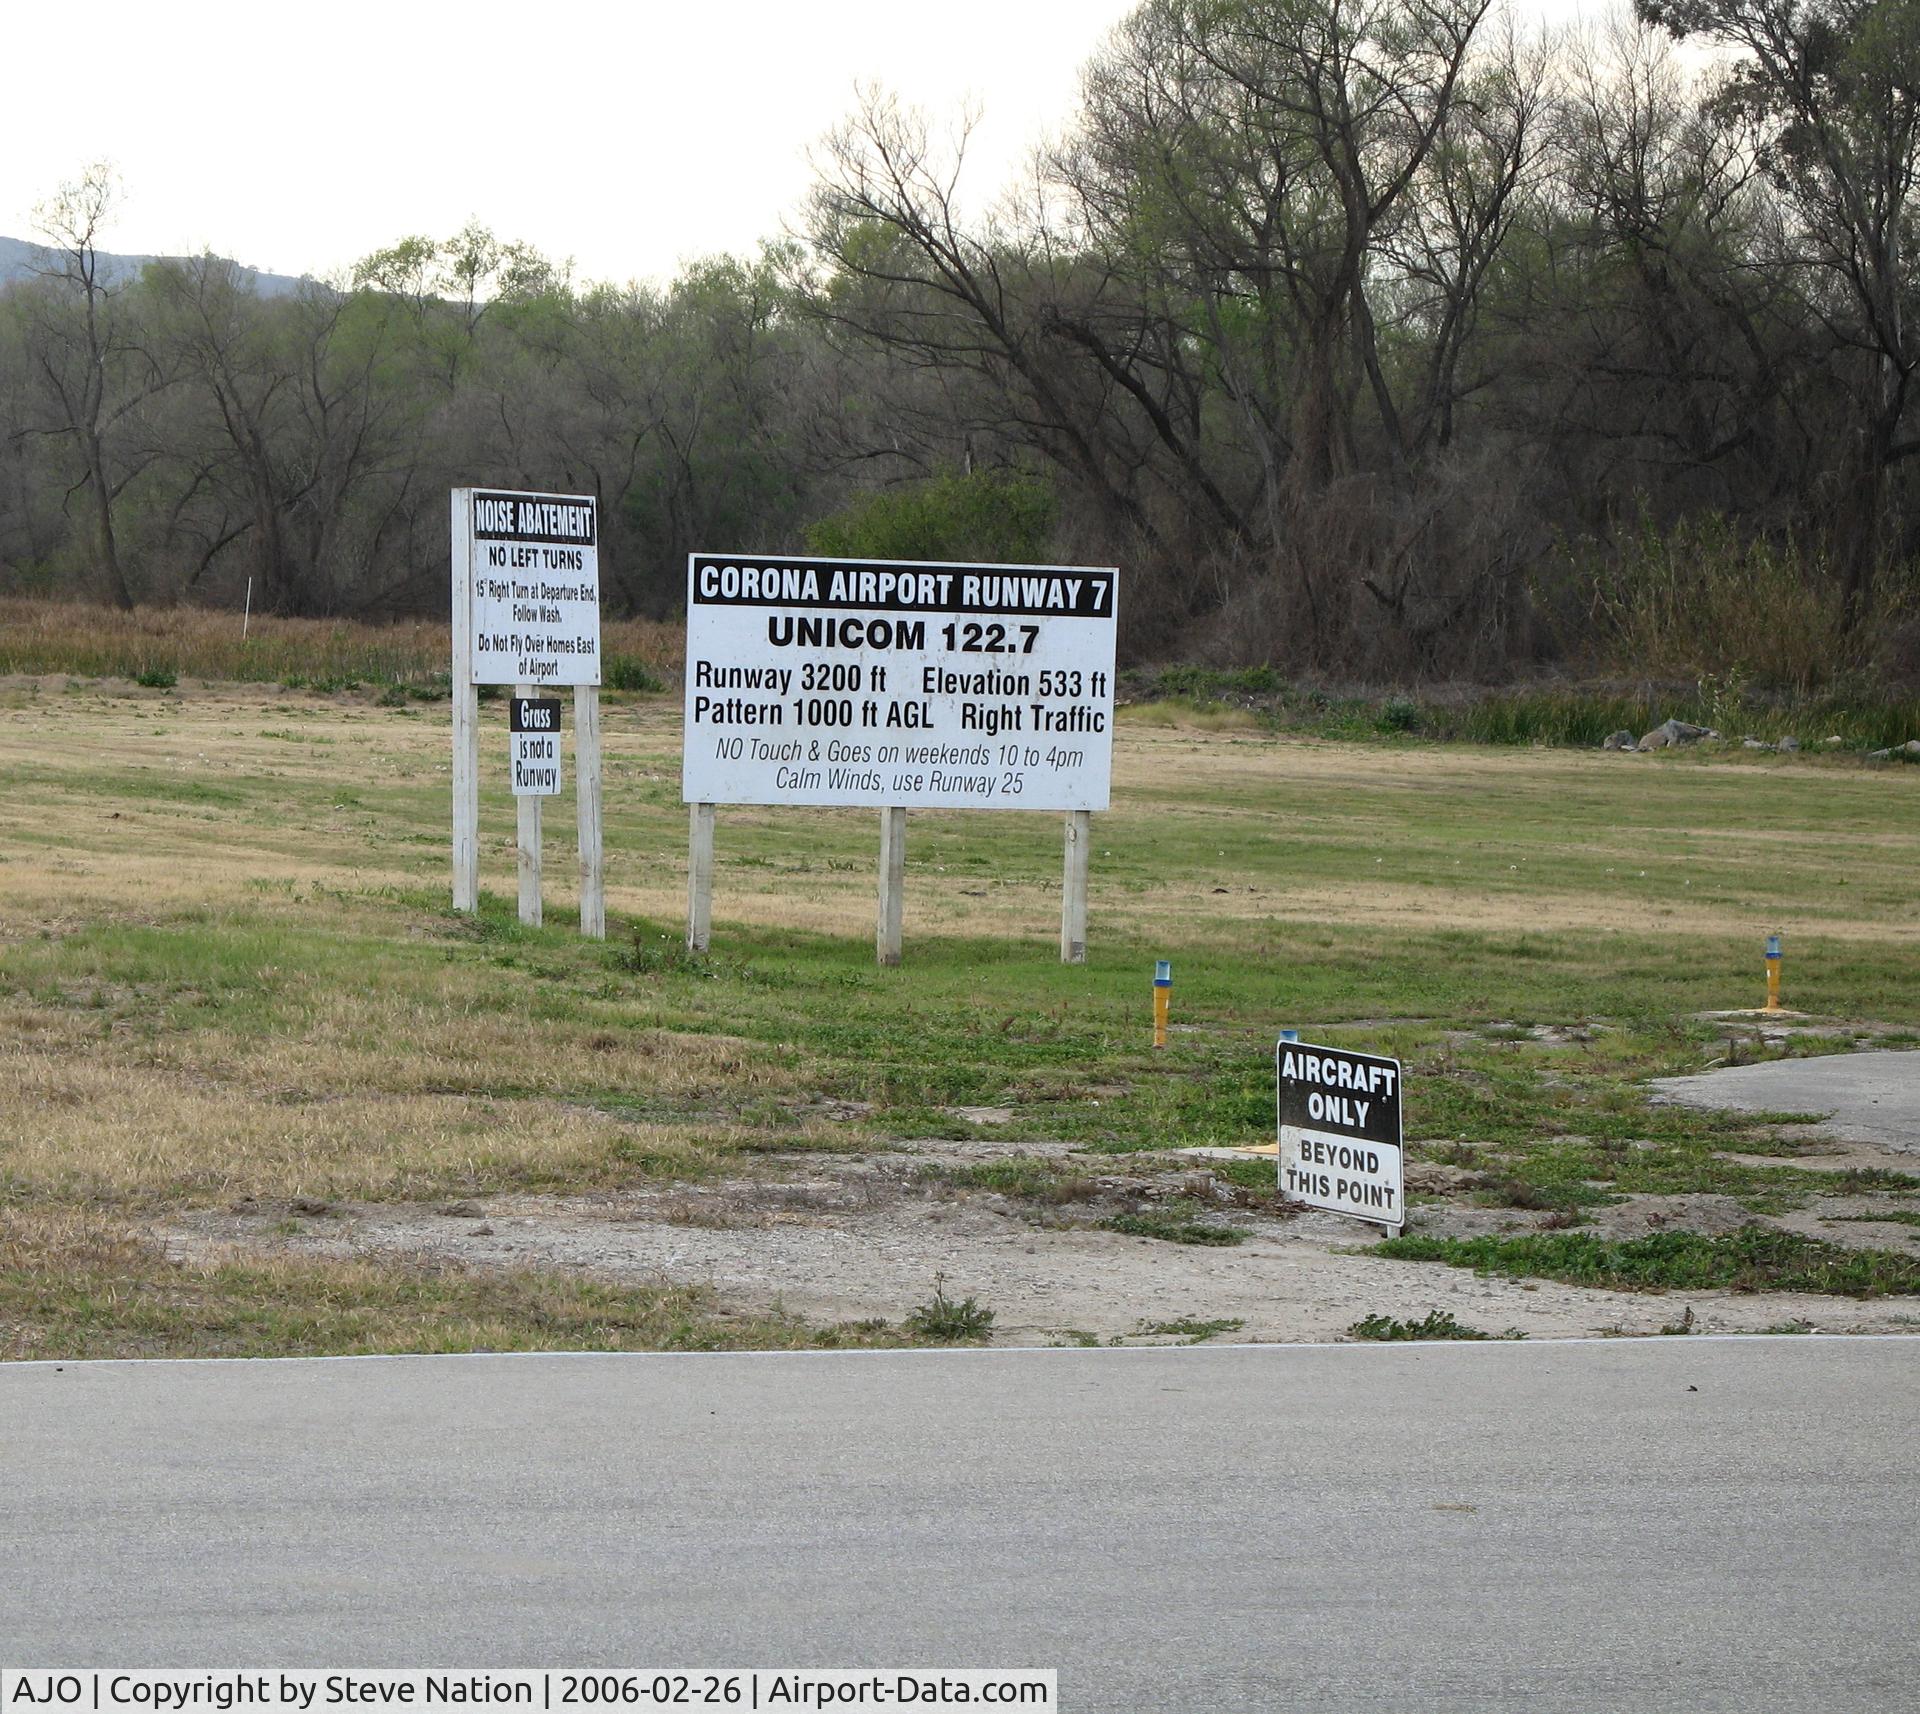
x: 1340, y: 1144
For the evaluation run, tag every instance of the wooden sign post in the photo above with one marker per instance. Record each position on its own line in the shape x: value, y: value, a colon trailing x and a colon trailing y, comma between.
x: 1073, y: 889
x: 527, y: 814
x: 466, y: 714
x: 893, y: 886
x: 699, y: 876
x: 588, y: 813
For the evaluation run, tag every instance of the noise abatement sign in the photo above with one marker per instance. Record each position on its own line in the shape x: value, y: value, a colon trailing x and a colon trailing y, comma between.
x: 1340, y: 1145
x: 534, y: 576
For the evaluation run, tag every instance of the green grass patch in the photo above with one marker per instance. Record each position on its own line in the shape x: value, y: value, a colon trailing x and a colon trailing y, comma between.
x: 1754, y: 1258
x: 1184, y: 711
x: 629, y: 672
x: 1027, y: 1177
x: 1173, y: 1229
x: 1864, y: 717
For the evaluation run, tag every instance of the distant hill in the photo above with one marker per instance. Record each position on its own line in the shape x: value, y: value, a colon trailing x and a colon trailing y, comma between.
x: 20, y: 260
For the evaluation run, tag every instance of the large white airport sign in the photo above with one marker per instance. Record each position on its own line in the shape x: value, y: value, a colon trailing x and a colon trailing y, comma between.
x: 1340, y: 1142
x: 898, y: 685
x: 534, y: 611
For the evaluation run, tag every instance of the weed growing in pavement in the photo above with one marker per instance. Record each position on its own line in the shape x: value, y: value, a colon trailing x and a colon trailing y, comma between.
x: 1192, y: 1329
x: 1435, y: 1324
x: 943, y: 1321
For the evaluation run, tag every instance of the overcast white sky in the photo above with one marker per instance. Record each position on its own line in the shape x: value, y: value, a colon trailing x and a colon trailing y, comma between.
x: 629, y: 137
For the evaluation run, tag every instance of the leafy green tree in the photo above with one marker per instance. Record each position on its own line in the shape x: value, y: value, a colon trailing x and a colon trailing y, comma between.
x: 993, y: 517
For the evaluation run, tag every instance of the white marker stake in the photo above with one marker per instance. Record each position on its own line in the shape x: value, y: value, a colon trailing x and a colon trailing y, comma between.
x: 1073, y: 889
x: 893, y: 883
x: 529, y: 815
x: 699, y: 876
x: 586, y: 773
x: 466, y: 714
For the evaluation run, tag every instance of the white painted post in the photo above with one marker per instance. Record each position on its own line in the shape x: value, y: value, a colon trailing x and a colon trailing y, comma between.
x: 529, y: 818
x: 587, y: 800
x: 699, y: 876
x: 1073, y: 889
x: 893, y: 885
x: 466, y: 714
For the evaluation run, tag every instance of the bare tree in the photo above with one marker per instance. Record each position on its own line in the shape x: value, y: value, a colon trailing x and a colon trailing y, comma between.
x: 294, y: 425
x: 908, y: 275
x: 90, y: 373
x: 1831, y: 92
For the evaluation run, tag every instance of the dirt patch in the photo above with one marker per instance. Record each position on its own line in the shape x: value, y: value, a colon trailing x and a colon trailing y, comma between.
x: 1630, y: 1217
x: 1849, y: 1157
x: 870, y: 1238
x: 1858, y: 1223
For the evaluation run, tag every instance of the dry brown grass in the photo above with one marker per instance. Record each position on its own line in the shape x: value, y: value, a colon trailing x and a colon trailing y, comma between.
x: 371, y: 1096
x: 144, y: 1136
x: 1192, y: 717
x: 302, y: 839
x: 77, y: 1284
x: 349, y: 1044
x: 344, y: 799
x: 40, y: 637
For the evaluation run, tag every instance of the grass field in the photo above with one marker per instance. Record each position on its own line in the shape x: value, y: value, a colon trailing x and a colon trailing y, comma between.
x: 159, y: 647
x: 229, y: 980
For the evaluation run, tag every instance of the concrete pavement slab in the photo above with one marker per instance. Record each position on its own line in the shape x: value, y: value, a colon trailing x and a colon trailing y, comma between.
x: 1867, y: 1097
x: 1680, y: 1524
